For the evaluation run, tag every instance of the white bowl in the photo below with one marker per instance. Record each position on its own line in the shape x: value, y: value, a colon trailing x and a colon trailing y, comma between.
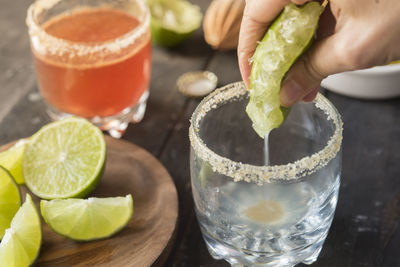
x: 375, y: 83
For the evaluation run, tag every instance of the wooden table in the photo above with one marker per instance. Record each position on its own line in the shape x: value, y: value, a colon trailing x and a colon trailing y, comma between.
x: 365, y: 231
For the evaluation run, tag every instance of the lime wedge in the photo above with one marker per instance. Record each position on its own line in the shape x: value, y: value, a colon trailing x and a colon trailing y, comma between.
x: 287, y: 38
x: 21, y: 243
x: 11, y: 159
x: 172, y: 21
x: 10, y: 200
x: 64, y: 159
x: 87, y: 219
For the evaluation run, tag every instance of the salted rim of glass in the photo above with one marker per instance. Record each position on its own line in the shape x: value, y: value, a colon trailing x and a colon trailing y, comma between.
x: 261, y: 174
x: 57, y: 46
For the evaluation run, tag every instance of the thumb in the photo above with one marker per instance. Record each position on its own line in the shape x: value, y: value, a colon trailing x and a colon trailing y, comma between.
x: 308, y: 71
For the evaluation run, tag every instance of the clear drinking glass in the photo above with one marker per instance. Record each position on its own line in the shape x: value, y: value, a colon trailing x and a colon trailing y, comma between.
x: 92, y: 59
x: 264, y: 202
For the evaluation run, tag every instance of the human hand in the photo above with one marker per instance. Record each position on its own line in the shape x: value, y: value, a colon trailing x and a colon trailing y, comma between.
x: 352, y: 34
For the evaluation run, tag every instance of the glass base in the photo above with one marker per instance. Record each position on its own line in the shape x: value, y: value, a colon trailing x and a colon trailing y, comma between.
x: 238, y: 258
x: 115, y: 125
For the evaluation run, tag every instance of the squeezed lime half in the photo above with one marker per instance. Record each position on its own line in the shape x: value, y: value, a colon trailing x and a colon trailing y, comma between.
x: 286, y: 39
x: 87, y: 219
x: 21, y: 243
x: 64, y: 159
x: 172, y: 21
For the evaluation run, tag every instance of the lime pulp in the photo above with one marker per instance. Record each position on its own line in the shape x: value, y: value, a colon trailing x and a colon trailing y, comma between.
x: 21, y: 243
x: 11, y: 159
x: 10, y: 200
x: 87, y: 219
x: 64, y: 159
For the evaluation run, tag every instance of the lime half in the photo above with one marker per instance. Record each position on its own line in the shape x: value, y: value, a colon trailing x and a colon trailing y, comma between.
x: 21, y: 243
x: 64, y: 159
x: 287, y: 38
x: 172, y: 21
x: 10, y: 200
x: 87, y: 219
x: 11, y: 159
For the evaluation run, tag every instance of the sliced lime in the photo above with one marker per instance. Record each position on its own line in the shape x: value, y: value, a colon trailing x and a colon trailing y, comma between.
x: 11, y: 159
x: 87, y: 219
x: 64, y: 159
x: 286, y: 39
x: 10, y: 200
x: 21, y: 243
x: 172, y: 21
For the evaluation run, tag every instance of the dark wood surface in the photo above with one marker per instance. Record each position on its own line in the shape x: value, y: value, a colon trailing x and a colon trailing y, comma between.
x: 365, y: 230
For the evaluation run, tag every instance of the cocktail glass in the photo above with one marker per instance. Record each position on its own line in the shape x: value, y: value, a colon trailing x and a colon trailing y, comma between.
x: 92, y: 59
x: 264, y: 202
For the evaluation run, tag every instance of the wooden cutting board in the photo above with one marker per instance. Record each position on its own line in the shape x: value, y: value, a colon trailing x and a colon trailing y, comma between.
x: 147, y: 239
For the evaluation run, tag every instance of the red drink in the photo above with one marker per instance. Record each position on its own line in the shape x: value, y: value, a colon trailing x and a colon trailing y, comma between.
x: 102, y: 77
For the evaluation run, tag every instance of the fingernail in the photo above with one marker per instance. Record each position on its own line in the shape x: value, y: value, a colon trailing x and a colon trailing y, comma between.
x: 291, y: 93
x: 311, y: 96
